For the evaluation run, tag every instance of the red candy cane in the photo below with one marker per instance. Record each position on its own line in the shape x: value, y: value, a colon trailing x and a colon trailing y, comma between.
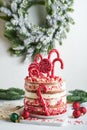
x: 37, y: 57
x: 53, y: 63
x: 42, y: 87
x: 52, y: 51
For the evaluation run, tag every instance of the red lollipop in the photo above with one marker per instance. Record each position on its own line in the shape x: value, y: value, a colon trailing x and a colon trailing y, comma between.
x: 34, y: 72
x: 45, y: 66
x: 33, y: 65
x: 33, y: 69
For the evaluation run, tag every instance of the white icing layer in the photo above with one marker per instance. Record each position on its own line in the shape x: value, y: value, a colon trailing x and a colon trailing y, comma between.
x: 45, y: 96
x: 49, y: 102
x: 50, y: 87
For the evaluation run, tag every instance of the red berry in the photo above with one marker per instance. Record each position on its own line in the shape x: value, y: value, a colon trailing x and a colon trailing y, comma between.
x: 82, y: 110
x: 76, y: 113
x: 76, y: 105
x: 25, y: 114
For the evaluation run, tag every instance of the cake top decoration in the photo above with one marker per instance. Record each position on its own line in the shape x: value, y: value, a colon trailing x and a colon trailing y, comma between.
x: 44, y: 67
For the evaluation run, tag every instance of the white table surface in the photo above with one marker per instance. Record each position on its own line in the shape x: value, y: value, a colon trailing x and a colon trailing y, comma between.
x: 7, y: 125
x: 18, y: 126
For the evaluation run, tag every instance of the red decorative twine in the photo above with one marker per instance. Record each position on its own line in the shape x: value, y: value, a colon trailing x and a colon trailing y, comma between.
x: 41, y: 88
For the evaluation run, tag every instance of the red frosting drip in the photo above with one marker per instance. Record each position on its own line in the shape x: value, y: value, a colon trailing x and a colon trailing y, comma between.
x: 42, y: 87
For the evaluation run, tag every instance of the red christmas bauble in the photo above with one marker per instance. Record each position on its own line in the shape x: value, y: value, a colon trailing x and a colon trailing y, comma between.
x: 76, y: 113
x: 76, y: 105
x: 82, y: 110
x: 25, y: 114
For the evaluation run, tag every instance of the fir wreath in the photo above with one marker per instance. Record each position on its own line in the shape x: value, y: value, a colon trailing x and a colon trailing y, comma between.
x: 28, y: 39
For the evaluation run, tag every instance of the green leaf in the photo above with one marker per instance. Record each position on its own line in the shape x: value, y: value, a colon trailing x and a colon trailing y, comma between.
x: 32, y: 3
x: 10, y: 34
x: 6, y: 18
x: 52, y: 1
x: 11, y: 94
x: 51, y: 46
x: 70, y: 9
x: 1, y: 3
x: 59, y: 23
x: 35, y: 52
x: 73, y: 98
x: 16, y: 52
x: 18, y: 90
x: 60, y: 42
x: 17, y: 39
x: 77, y: 95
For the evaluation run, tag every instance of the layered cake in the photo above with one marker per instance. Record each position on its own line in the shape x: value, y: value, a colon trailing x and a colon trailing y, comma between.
x: 45, y: 93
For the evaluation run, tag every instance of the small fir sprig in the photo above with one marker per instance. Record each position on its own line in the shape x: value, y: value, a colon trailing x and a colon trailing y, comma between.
x: 11, y: 93
x: 77, y: 95
x: 28, y: 39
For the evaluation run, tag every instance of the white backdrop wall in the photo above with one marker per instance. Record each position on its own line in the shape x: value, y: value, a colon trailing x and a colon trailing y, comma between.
x: 73, y: 52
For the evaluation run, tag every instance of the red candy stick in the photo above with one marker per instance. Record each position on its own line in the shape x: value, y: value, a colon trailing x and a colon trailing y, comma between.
x: 53, y: 51
x: 37, y: 57
x: 53, y: 63
x: 42, y: 87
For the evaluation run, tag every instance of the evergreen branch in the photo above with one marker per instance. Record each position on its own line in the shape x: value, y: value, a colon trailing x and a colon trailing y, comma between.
x: 18, y: 52
x: 32, y: 3
x: 37, y: 2
x: 11, y: 94
x: 6, y: 18
x: 1, y: 3
x: 77, y: 95
x: 26, y: 37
